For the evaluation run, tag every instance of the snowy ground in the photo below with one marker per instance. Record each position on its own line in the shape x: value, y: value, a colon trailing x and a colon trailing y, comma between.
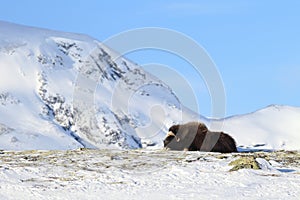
x: 145, y: 174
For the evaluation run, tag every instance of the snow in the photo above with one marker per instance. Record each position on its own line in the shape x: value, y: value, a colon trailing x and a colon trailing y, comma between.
x: 274, y: 127
x: 139, y: 174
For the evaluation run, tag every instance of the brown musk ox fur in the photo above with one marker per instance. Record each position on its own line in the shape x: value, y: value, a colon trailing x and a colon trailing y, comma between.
x: 195, y: 136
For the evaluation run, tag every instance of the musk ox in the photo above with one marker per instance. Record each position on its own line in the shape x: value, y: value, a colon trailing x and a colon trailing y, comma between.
x: 195, y: 136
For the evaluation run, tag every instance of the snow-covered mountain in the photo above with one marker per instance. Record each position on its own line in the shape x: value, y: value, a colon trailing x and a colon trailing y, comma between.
x: 65, y: 91
x: 273, y: 127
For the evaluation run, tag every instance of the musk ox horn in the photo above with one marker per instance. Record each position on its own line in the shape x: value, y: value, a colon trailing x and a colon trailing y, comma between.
x: 170, y: 133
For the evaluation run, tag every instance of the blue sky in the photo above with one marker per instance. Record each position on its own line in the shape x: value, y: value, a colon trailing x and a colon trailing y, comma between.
x: 255, y: 44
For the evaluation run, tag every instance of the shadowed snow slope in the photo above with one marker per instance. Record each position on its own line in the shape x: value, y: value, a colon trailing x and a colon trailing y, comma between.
x: 65, y: 91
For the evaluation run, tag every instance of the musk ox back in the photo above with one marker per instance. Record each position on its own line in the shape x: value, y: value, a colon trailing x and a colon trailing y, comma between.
x: 195, y: 136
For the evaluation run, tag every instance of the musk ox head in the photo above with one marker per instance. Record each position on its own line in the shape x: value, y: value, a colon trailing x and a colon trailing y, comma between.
x: 181, y: 137
x: 195, y: 136
x: 171, y: 135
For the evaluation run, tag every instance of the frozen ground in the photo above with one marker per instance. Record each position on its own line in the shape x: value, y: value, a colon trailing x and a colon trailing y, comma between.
x: 145, y: 174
